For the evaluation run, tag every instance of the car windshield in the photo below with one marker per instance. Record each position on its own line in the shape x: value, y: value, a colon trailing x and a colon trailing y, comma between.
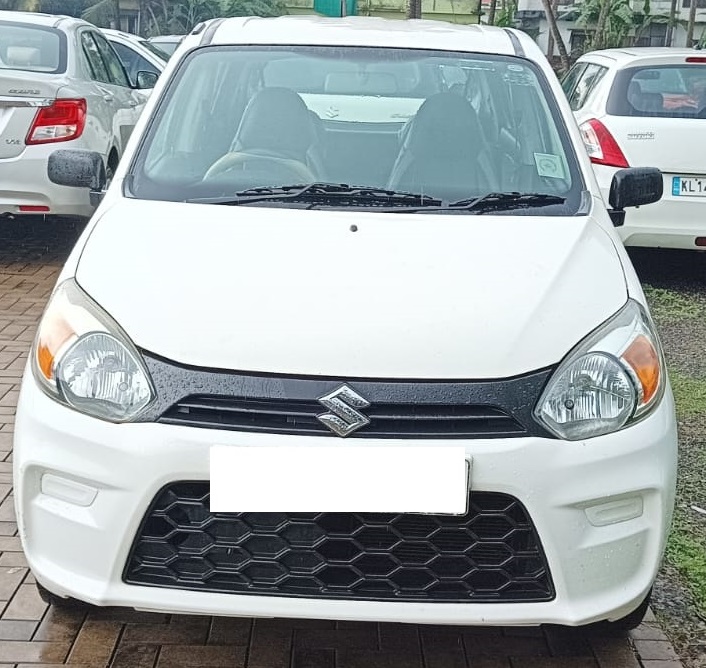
x: 668, y: 91
x: 31, y: 48
x: 451, y: 127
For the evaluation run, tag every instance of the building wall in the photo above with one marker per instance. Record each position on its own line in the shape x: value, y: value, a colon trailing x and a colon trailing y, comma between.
x: 455, y: 11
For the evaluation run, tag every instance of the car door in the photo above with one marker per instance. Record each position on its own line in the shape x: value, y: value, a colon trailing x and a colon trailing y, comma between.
x: 126, y: 102
x: 99, y: 133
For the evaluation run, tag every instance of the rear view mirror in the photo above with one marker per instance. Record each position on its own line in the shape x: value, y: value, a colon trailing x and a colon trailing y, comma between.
x: 146, y: 80
x: 77, y: 169
x: 635, y: 186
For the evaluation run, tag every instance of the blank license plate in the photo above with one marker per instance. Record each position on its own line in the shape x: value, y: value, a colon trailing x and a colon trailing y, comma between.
x: 310, y: 479
x: 694, y: 186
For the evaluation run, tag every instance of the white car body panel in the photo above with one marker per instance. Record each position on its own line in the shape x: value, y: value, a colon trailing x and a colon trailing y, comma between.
x: 475, y: 335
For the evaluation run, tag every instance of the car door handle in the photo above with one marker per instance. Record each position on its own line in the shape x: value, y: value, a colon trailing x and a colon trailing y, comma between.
x: 108, y: 97
x: 132, y: 103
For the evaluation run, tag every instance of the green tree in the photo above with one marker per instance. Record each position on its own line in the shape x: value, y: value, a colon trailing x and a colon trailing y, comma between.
x: 614, y: 23
x: 255, y: 8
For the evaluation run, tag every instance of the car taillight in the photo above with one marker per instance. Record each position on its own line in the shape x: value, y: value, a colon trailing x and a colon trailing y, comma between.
x: 61, y: 121
x: 696, y: 59
x: 600, y: 144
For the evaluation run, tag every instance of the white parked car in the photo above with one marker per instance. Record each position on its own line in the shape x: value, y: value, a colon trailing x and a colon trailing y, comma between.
x: 61, y: 84
x: 463, y: 312
x: 139, y: 58
x: 647, y: 107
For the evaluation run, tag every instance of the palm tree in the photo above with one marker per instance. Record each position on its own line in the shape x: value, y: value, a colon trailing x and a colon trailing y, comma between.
x: 103, y: 12
x: 554, y: 28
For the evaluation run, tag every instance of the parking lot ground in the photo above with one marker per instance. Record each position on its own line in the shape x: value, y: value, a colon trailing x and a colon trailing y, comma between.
x: 33, y: 634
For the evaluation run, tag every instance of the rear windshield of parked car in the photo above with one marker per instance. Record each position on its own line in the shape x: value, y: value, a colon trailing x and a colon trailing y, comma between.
x: 32, y: 48
x: 667, y: 91
x: 442, y: 124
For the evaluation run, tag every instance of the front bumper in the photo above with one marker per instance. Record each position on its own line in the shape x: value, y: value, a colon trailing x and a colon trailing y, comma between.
x: 77, y: 537
x: 673, y: 222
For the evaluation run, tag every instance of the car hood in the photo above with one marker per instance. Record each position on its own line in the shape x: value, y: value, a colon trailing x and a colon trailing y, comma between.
x: 299, y: 292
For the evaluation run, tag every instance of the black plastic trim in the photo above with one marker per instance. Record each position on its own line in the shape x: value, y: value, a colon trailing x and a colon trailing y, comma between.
x: 516, y: 397
x: 210, y: 31
x: 215, y: 552
x: 519, y: 51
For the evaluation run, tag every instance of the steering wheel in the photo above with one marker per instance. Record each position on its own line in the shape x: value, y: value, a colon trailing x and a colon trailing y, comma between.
x: 245, y: 161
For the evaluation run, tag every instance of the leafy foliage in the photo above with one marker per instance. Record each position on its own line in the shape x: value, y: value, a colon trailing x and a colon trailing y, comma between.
x: 614, y: 23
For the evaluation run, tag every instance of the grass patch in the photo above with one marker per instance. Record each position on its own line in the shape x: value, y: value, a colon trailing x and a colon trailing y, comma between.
x: 670, y: 305
x: 686, y: 551
x: 689, y: 395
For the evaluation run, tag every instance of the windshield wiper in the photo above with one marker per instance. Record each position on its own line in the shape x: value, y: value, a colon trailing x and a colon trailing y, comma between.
x: 506, y: 202
x: 323, y: 194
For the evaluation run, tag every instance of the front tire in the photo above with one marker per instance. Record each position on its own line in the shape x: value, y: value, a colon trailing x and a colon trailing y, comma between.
x: 627, y: 623
x: 59, y: 601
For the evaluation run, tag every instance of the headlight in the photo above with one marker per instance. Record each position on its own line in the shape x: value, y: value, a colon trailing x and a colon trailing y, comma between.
x: 614, y: 377
x: 84, y: 360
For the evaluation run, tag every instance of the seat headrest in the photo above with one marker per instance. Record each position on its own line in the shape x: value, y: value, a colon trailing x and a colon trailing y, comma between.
x: 446, y: 125
x: 22, y: 56
x: 276, y: 119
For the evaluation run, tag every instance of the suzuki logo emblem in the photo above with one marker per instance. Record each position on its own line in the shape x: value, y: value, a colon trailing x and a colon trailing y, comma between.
x: 343, y: 418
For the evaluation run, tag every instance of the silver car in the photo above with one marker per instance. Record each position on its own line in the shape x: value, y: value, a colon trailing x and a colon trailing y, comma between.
x: 61, y: 86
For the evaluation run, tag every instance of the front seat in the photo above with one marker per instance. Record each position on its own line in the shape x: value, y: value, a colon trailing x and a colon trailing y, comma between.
x: 443, y: 153
x: 277, y: 123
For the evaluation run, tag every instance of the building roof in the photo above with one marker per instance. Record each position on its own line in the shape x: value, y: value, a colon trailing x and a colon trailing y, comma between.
x: 368, y: 31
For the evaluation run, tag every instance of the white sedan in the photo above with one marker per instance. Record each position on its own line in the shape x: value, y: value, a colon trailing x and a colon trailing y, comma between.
x: 647, y: 107
x: 61, y: 86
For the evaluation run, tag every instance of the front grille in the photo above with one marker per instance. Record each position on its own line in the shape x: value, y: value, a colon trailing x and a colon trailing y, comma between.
x: 491, y: 554
x: 386, y: 420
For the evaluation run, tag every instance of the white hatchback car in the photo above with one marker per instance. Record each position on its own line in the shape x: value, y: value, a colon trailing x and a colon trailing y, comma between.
x: 382, y: 230
x: 647, y: 107
x: 60, y: 83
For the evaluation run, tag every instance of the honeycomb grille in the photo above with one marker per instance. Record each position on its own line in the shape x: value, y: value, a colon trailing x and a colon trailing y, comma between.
x: 490, y: 554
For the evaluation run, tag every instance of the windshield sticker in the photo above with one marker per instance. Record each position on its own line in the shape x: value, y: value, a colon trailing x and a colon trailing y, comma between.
x: 549, y: 165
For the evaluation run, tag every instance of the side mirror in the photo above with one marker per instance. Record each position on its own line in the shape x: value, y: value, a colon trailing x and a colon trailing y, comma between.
x: 78, y: 169
x: 635, y: 186
x: 146, y: 80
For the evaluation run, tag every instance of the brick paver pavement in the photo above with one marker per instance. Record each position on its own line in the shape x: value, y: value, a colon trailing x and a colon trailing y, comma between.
x: 31, y: 634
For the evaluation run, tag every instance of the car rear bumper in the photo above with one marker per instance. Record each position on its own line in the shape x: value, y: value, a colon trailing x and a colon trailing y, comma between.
x: 24, y: 182
x: 673, y: 222
x: 602, y: 559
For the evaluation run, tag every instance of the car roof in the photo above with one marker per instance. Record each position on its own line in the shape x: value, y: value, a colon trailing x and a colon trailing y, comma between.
x: 166, y: 38
x: 46, y: 20
x: 120, y: 33
x: 368, y: 31
x: 629, y: 56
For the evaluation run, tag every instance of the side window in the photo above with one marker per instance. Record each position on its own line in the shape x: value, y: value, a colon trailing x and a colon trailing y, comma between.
x: 93, y: 58
x: 116, y: 71
x: 588, y: 81
x: 569, y: 82
x: 133, y: 61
